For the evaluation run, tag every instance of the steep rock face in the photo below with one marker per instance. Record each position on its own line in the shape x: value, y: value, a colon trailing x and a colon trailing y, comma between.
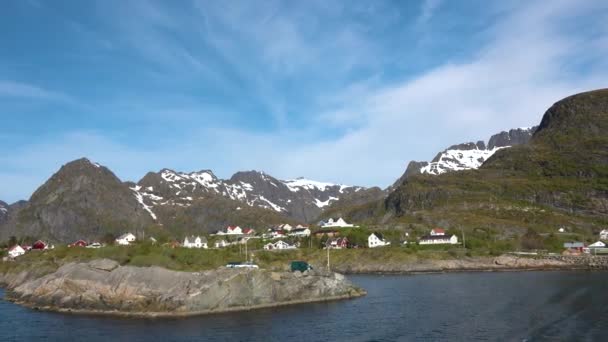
x: 298, y: 199
x: 3, y: 212
x: 105, y: 287
x: 514, y: 137
x: 82, y: 200
x: 468, y: 156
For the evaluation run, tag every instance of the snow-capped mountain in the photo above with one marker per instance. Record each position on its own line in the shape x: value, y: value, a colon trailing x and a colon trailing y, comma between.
x: 469, y: 155
x: 300, y: 199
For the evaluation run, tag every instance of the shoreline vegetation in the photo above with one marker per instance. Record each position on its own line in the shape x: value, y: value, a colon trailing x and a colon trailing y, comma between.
x: 347, y: 261
x: 68, y: 279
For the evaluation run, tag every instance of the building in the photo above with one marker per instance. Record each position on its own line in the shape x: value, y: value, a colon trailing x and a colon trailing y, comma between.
x: 597, y: 244
x: 274, y: 233
x: 574, y: 247
x: 438, y: 240
x: 284, y: 226
x: 279, y: 245
x: 234, y: 230
x: 221, y: 244
x: 300, y: 226
x: 337, y: 243
x: 376, y: 240
x: 195, y: 242
x: 300, y: 232
x: 16, y: 251
x: 248, y: 231
x: 125, y: 239
x: 437, y: 232
x: 604, y: 234
x: 40, y: 245
x: 79, y: 243
x: 335, y: 223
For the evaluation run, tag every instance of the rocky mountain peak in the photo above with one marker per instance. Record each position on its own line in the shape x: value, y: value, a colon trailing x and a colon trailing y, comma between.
x: 470, y: 155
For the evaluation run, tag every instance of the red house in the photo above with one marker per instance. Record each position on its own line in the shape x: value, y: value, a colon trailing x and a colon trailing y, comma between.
x: 79, y: 243
x: 337, y: 243
x: 40, y: 245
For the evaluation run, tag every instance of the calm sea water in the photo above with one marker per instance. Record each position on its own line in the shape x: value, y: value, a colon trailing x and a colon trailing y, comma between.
x: 533, y: 306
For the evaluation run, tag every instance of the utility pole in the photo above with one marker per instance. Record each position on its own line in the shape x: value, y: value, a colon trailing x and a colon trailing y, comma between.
x: 329, y: 269
x: 246, y: 255
x: 464, y: 242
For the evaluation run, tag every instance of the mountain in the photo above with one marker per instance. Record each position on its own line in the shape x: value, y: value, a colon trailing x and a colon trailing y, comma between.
x: 299, y: 199
x: 469, y: 155
x: 81, y: 200
x: 86, y: 200
x: 559, y: 178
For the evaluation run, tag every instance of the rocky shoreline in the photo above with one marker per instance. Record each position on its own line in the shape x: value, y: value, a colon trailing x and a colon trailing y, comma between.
x: 474, y: 264
x: 104, y: 287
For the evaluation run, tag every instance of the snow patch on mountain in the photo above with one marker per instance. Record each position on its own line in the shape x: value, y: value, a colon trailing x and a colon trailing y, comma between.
x: 140, y: 198
x: 322, y: 204
x: 457, y: 160
x: 302, y: 183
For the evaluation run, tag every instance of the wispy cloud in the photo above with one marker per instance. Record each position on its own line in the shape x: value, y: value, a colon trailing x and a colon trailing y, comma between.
x: 428, y: 9
x: 326, y: 90
x: 28, y: 91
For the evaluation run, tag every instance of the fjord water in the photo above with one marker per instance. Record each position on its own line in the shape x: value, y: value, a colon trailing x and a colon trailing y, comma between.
x: 459, y: 306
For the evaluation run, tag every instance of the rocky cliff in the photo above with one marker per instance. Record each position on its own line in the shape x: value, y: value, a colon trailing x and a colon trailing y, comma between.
x: 102, y: 286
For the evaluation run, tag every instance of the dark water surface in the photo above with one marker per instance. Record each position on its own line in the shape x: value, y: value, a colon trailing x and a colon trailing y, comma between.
x: 511, y: 306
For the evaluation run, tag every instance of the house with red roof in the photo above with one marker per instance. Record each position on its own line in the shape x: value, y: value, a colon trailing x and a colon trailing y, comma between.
x: 337, y: 243
x: 79, y: 243
x: 39, y: 245
x: 437, y: 232
x: 234, y: 230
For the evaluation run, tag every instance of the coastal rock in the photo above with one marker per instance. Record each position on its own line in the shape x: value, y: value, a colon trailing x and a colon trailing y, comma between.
x: 104, y: 287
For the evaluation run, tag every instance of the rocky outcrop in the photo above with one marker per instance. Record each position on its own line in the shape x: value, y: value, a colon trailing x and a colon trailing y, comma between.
x: 514, y: 137
x: 501, y: 263
x: 102, y: 286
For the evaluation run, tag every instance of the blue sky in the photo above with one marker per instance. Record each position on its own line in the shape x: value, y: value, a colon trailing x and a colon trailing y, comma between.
x: 345, y: 92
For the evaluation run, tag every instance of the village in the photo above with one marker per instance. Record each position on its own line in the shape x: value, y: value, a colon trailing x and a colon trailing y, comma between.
x: 330, y: 234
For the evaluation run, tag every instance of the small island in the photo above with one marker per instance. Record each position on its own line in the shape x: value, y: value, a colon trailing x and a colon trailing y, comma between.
x: 102, y: 286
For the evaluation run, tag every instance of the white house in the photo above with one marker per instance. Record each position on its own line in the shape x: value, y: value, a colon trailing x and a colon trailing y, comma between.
x: 285, y: 226
x: 604, y: 234
x: 195, y: 242
x: 439, y: 240
x: 598, y: 244
x: 278, y: 245
x: 221, y: 244
x: 274, y: 233
x: 299, y: 226
x: 376, y: 240
x: 300, y: 232
x: 561, y: 230
x: 437, y: 232
x: 234, y: 230
x: 15, y: 251
x: 335, y: 223
x: 125, y: 239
